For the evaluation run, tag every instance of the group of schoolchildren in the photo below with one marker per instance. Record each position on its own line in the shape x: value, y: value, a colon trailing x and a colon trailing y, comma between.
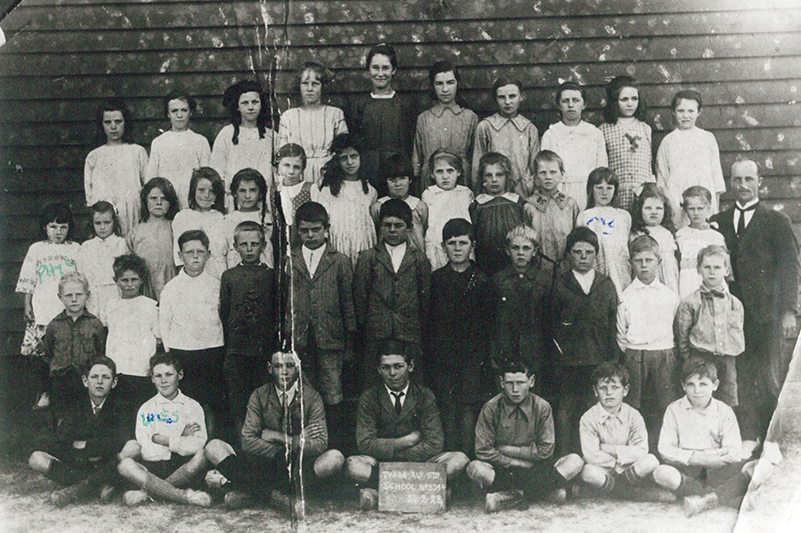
x: 553, y: 268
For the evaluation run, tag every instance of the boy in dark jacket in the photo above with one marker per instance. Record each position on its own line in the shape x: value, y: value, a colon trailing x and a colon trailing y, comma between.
x: 584, y: 313
x: 391, y: 290
x: 320, y: 316
x: 89, y: 439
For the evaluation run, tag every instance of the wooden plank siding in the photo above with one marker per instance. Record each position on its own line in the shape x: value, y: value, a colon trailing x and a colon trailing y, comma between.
x: 62, y: 56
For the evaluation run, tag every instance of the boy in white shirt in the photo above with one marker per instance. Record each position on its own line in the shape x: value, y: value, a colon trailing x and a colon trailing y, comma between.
x: 170, y: 435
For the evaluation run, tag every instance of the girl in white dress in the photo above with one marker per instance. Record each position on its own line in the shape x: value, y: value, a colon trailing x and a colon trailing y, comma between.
x: 313, y: 125
x: 206, y: 197
x: 696, y: 203
x: 347, y: 195
x: 445, y: 200
x: 612, y: 225
x: 115, y: 171
x: 247, y: 142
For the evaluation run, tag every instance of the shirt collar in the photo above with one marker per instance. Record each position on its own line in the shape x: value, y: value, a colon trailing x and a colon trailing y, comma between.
x: 290, y: 392
x: 526, y: 406
x: 405, y: 392
x: 709, y: 410
x: 483, y: 198
x: 639, y: 285
x: 604, y: 415
x: 497, y: 122
x: 724, y: 288
x: 746, y: 206
x: 539, y: 199
x: 392, y: 249
x: 179, y: 398
x: 97, y: 408
x: 382, y: 96
x: 439, y: 109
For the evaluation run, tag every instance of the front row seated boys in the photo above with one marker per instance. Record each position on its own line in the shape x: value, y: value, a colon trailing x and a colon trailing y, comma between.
x: 514, y: 446
x: 284, y: 428
x: 170, y: 435
x: 397, y: 420
x: 701, y: 446
x: 614, y: 441
x: 84, y: 456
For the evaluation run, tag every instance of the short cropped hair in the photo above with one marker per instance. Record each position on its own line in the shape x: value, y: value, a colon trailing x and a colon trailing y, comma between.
x: 179, y: 95
x: 548, y: 156
x: 396, y: 208
x: 644, y: 243
x: 249, y: 225
x: 524, y: 231
x: 312, y: 212
x: 610, y: 370
x: 581, y: 234
x: 393, y: 347
x: 130, y: 262
x: 696, y: 191
x: 687, y: 94
x: 695, y: 366
x: 102, y: 360
x: 570, y: 86
x: 503, y: 81
x: 165, y: 358
x: 714, y: 250
x: 70, y: 277
x: 193, y: 235
x: 514, y: 366
x: 394, y: 166
x: 456, y: 227
x: 291, y: 150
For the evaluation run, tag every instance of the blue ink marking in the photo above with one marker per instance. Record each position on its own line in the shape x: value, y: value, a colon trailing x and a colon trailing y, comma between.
x: 607, y: 223
x: 163, y: 416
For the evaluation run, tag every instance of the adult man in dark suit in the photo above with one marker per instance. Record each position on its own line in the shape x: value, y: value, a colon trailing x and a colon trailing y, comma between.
x: 397, y: 420
x: 764, y: 257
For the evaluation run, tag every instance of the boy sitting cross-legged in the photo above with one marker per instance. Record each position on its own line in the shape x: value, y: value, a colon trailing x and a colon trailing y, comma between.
x: 88, y: 441
x: 700, y: 442
x: 284, y: 431
x: 614, y: 441
x: 514, y: 446
x: 397, y: 420
x: 170, y: 434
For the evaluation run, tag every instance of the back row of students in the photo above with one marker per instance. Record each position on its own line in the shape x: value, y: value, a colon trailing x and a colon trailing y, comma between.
x: 384, y: 121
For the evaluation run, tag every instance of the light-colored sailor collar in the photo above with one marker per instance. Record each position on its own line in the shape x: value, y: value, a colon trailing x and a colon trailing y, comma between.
x: 540, y: 200
x: 497, y: 121
x: 483, y: 198
x: 439, y: 109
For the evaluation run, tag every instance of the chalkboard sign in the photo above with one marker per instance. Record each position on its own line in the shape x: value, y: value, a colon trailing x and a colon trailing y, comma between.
x: 411, y: 487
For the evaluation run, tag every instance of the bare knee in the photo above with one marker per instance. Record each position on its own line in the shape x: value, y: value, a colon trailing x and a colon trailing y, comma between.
x: 328, y: 464
x: 667, y: 476
x: 40, y: 461
x: 569, y: 466
x: 217, y: 450
x: 593, y: 475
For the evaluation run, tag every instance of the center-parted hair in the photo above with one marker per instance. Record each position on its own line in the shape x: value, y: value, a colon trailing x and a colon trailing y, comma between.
x: 291, y: 150
x: 643, y: 243
x: 613, y: 90
x: 581, y: 234
x: 503, y: 81
x: 231, y: 103
x: 384, y: 50
x: 548, y: 156
x: 217, y: 186
x: 438, y: 68
x: 114, y: 104
x: 324, y: 74
x: 570, y: 86
x: 601, y: 175
x: 312, y: 212
x: 457, y: 227
x: 193, y: 235
x: 452, y: 159
x: 105, y: 207
x: 495, y: 158
x: 651, y: 190
x: 608, y: 371
x: 166, y: 188
x: 333, y: 175
x: 396, y: 208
